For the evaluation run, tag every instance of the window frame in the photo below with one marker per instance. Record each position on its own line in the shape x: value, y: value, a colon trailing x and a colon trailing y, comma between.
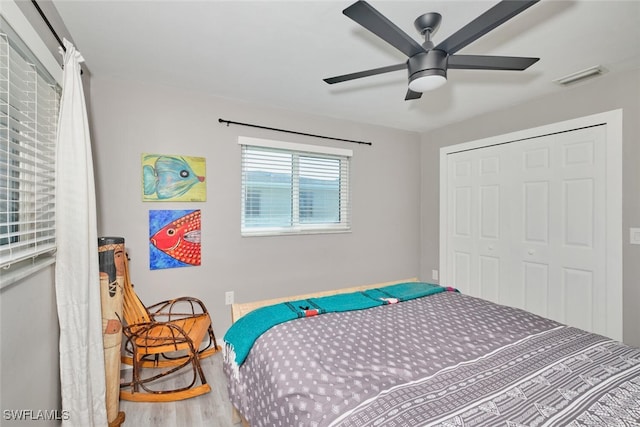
x: 18, y: 28
x: 299, y: 150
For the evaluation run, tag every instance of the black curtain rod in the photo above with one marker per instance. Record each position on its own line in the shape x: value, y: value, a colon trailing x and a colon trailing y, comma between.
x: 46, y: 21
x: 229, y: 122
x: 53, y: 31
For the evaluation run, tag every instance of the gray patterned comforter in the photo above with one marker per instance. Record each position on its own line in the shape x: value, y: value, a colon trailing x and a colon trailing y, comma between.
x: 443, y: 360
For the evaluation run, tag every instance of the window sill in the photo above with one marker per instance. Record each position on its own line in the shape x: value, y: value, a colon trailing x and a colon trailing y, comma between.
x: 23, y: 269
x: 292, y: 232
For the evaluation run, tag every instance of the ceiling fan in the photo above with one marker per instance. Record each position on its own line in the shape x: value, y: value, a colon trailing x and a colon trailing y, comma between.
x: 428, y: 63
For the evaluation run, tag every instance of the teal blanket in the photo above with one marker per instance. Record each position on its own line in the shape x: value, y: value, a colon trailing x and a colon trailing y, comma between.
x: 240, y: 337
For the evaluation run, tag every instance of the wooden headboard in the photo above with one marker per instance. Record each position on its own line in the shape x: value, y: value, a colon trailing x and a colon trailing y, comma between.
x: 240, y: 309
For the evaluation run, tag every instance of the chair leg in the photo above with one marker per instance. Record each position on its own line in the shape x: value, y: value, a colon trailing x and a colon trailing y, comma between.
x: 141, y: 392
x: 150, y: 395
x: 135, y: 382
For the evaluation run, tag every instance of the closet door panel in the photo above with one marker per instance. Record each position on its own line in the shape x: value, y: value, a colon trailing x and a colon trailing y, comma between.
x: 488, y: 185
x: 536, y: 284
x: 460, y: 217
x: 582, y: 253
x: 528, y: 225
x: 536, y: 212
x: 489, y: 211
x: 475, y: 213
x: 578, y: 298
x: 489, y: 277
x: 578, y: 212
x: 532, y: 218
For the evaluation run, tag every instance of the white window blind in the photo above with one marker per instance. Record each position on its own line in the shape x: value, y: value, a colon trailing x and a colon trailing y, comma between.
x: 29, y: 106
x: 294, y: 188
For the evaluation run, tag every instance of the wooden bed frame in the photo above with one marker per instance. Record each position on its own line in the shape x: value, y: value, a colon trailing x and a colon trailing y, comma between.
x: 240, y: 309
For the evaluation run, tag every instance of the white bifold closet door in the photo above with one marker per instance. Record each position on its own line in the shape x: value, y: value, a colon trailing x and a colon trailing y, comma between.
x: 526, y: 225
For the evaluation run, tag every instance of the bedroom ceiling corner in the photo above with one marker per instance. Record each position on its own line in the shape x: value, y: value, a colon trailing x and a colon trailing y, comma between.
x: 283, y: 50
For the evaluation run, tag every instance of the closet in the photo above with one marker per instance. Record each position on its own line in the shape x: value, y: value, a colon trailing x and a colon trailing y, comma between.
x: 526, y: 222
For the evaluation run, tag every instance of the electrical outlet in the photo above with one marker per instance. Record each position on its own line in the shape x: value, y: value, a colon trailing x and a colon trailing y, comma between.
x: 228, y: 298
x: 434, y: 274
x: 634, y: 238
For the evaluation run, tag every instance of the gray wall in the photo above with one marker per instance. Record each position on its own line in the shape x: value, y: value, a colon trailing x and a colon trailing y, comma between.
x: 129, y: 119
x: 29, y: 358
x: 608, y: 92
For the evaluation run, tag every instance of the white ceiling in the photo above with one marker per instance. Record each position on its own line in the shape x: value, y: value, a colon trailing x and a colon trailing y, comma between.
x: 276, y: 53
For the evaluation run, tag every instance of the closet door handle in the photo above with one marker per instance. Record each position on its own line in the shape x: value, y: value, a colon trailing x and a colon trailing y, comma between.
x: 531, y: 251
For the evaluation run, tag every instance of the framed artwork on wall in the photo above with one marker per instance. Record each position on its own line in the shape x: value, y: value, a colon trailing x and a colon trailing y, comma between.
x: 172, y: 178
x: 174, y: 238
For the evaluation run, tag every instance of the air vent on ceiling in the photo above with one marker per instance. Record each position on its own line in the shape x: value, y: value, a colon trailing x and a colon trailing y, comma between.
x: 580, y: 75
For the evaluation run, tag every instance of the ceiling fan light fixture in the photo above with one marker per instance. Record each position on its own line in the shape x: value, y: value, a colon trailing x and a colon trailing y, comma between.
x: 426, y: 80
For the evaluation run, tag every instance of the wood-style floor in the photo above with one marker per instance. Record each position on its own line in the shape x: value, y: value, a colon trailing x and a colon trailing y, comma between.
x: 211, y: 409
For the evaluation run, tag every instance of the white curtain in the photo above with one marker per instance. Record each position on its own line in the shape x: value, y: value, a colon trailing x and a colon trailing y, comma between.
x: 77, y: 277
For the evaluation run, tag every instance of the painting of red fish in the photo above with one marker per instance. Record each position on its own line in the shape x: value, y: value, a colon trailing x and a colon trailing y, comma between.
x: 175, y: 238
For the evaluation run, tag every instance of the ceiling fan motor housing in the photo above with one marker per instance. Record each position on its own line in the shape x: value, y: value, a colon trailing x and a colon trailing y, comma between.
x: 433, y: 62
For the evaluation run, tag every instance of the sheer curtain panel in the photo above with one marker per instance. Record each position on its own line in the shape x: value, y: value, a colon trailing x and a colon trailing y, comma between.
x: 77, y: 277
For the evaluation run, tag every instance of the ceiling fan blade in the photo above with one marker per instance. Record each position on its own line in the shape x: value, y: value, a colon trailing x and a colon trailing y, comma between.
x: 486, y: 62
x: 364, y: 14
x: 412, y: 95
x: 366, y: 73
x: 497, y: 15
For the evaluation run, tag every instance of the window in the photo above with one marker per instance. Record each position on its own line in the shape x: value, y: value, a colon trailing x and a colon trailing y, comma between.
x: 29, y: 104
x: 293, y: 188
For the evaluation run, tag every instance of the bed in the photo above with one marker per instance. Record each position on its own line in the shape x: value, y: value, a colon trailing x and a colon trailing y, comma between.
x: 443, y: 359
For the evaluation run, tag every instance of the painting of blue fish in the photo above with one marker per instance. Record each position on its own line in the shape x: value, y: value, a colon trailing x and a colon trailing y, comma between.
x: 173, y: 178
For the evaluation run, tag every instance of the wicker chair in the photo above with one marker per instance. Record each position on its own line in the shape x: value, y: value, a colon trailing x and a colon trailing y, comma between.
x: 167, y: 336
